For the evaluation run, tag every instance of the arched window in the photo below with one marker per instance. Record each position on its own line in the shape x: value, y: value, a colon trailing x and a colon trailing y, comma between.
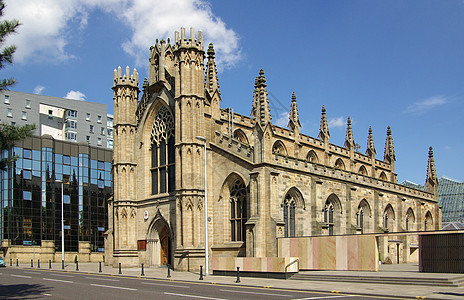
x: 240, y: 135
x: 339, y: 164
x: 383, y: 176
x: 362, y: 216
x: 389, y: 218
x: 362, y: 170
x: 279, y: 148
x: 293, y: 200
x: 329, y: 216
x: 312, y: 157
x: 163, y: 153
x: 428, y: 221
x: 238, y: 211
x: 410, y: 220
x: 332, y: 214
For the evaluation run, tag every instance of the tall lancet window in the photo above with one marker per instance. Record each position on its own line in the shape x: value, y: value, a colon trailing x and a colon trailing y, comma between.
x: 289, y: 216
x: 238, y: 210
x: 163, y: 173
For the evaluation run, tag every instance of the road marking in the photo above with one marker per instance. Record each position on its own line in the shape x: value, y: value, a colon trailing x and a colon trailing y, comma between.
x: 193, y: 296
x: 255, y: 293
x: 31, y: 272
x: 49, y: 295
x: 22, y: 276
x: 325, y: 297
x: 62, y: 275
x: 114, y: 287
x: 57, y: 280
x: 107, y: 279
x: 170, y: 285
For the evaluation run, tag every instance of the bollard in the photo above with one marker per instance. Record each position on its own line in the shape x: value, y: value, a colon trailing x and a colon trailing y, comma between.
x: 201, y: 273
x: 49, y: 264
x: 100, y: 267
x: 17, y: 263
x: 169, y: 271
x: 32, y: 263
x: 38, y: 263
x: 11, y: 262
x: 120, y: 269
x: 62, y: 264
x: 77, y: 265
x: 238, y: 275
x: 142, y: 274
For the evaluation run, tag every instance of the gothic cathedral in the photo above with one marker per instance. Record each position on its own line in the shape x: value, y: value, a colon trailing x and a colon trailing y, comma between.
x: 262, y: 181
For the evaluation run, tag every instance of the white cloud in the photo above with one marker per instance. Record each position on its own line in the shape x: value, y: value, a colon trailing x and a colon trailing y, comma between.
x: 426, y: 104
x: 337, y: 122
x: 39, y: 89
x: 48, y: 26
x: 76, y: 95
x: 282, y: 119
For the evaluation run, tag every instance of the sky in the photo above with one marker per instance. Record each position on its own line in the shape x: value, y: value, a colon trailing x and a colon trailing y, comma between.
x: 382, y: 63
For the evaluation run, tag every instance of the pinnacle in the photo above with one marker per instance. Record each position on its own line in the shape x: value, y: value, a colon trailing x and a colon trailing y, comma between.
x: 210, y: 51
x: 293, y: 97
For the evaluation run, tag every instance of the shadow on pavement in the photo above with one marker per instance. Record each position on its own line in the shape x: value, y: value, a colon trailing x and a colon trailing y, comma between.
x: 22, y: 291
x: 451, y: 294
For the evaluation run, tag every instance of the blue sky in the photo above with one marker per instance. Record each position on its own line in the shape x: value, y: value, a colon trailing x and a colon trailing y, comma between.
x: 383, y: 63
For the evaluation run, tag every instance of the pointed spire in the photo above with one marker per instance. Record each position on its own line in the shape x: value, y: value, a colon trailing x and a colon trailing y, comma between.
x: 294, y: 122
x: 370, y: 144
x: 389, y: 153
x: 349, y: 140
x: 211, y: 82
x: 431, y: 182
x: 260, y: 113
x: 324, y: 134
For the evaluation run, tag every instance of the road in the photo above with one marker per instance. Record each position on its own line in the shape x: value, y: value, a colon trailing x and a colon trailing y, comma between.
x: 43, y: 284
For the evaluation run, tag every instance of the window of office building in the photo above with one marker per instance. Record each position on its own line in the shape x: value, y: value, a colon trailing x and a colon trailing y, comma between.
x: 91, y: 128
x: 71, y: 124
x: 24, y: 115
x: 109, y: 144
x: 10, y: 113
x: 99, y: 141
x: 7, y: 99
x: 87, y: 117
x: 50, y: 114
x: 102, y: 131
x: 28, y: 103
x: 99, y: 119
x: 72, y: 114
x: 110, y: 132
x: 87, y: 138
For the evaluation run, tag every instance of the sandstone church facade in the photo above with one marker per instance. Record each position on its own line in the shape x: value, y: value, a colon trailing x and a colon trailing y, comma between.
x: 263, y: 181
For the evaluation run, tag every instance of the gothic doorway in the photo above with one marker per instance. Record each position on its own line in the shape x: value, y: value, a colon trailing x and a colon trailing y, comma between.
x: 159, y: 243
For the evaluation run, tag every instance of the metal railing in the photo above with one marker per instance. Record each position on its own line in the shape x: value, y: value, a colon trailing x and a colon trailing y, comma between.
x: 286, y: 267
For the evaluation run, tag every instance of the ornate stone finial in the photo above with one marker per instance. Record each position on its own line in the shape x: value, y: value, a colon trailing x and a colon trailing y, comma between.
x: 260, y: 113
x: 370, y: 144
x: 211, y: 80
x: 389, y: 153
x: 349, y: 141
x: 324, y: 134
x: 294, y: 122
x: 431, y: 182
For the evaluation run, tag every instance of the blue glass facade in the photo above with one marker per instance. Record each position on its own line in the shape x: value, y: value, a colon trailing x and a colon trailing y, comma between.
x: 47, y: 173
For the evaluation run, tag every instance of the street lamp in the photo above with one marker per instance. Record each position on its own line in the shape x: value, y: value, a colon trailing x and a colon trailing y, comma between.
x: 206, y: 211
x: 62, y: 223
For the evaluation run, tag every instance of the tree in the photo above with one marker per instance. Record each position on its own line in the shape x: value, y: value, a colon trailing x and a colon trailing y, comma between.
x: 9, y: 133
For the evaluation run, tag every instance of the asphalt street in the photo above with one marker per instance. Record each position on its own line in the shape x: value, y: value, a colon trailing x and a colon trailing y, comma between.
x: 43, y: 284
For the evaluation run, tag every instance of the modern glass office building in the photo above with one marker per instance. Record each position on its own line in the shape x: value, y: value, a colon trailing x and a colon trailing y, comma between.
x: 48, y: 175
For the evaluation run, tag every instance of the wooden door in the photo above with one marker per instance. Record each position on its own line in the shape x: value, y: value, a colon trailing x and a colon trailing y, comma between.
x: 164, y: 243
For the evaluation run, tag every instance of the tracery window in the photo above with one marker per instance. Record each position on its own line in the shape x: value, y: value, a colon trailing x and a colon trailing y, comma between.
x: 238, y: 211
x: 289, y: 216
x: 329, y: 216
x: 312, y: 157
x: 360, y: 219
x: 163, y: 153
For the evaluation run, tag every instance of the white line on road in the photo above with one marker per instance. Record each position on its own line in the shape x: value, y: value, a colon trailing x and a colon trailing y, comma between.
x: 57, y: 280
x: 255, y: 293
x: 31, y: 272
x: 170, y: 285
x: 193, y: 296
x: 107, y: 279
x: 114, y: 287
x: 49, y: 295
x: 22, y: 276
x: 325, y: 297
x: 61, y: 275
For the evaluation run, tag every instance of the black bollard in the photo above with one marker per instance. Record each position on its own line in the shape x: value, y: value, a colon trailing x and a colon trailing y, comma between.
x: 120, y: 269
x: 142, y: 274
x: 38, y: 263
x: 99, y: 266
x: 201, y: 273
x: 17, y: 263
x: 32, y: 263
x: 169, y: 271
x: 77, y: 265
x: 238, y: 275
x: 11, y: 262
x: 62, y: 264
x: 49, y: 264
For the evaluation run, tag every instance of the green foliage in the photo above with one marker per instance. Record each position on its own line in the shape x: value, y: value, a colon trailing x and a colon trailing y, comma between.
x: 9, y: 134
x: 7, y: 27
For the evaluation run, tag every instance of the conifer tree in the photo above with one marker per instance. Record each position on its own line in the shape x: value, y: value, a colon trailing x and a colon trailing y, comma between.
x: 9, y: 133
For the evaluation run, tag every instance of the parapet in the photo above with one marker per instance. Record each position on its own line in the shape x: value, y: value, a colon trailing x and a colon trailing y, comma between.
x: 182, y: 41
x: 126, y: 79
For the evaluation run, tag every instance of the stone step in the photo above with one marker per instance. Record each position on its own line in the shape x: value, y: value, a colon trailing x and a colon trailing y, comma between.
x: 449, y: 282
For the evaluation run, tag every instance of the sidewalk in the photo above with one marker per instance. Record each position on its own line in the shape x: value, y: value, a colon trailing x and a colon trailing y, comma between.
x: 386, y: 290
